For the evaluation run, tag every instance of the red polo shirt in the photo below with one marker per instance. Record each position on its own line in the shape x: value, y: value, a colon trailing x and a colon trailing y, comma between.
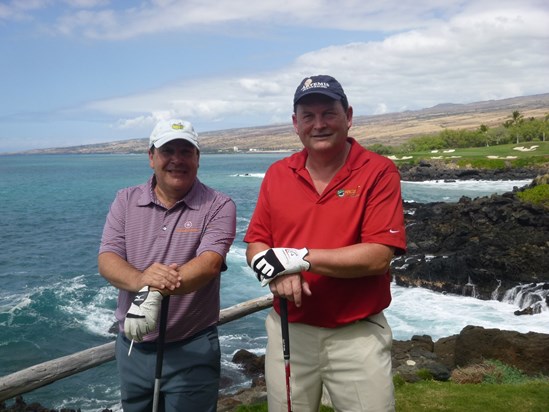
x: 362, y: 204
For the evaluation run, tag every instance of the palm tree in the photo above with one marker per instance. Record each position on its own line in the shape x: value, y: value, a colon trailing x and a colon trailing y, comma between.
x: 516, y: 120
x: 484, y: 130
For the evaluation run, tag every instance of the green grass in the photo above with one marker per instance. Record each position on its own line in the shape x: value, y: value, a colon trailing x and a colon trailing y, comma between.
x: 451, y: 397
x: 532, y: 396
x: 263, y: 408
x: 478, y: 156
x: 502, y: 388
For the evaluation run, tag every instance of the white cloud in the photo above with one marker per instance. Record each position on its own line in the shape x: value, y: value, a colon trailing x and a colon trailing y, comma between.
x: 422, y: 53
x: 102, y: 19
x: 260, y: 87
x: 473, y: 56
x: 477, y: 52
x: 381, y: 108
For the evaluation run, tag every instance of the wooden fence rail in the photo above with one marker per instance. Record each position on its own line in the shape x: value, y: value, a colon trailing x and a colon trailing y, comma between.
x: 48, y: 372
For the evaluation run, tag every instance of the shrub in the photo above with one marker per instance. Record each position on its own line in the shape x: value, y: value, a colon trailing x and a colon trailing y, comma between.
x: 472, y: 373
x: 503, y: 373
x: 381, y: 149
x: 538, y: 195
x: 489, y: 371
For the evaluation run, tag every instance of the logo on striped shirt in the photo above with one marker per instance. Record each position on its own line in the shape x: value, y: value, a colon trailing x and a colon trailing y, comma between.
x: 187, y: 228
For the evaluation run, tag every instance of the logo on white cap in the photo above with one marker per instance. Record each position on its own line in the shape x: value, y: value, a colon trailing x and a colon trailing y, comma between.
x: 168, y: 130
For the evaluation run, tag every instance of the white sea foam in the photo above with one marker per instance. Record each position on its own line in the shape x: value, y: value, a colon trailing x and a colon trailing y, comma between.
x: 13, y: 303
x: 418, y: 311
x: 487, y: 184
x: 452, y: 191
x: 256, y: 175
x: 92, y: 308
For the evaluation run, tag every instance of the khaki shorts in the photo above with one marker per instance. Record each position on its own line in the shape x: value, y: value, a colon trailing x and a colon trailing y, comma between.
x: 352, y: 362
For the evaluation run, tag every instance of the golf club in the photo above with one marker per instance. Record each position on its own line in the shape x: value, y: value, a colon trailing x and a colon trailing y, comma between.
x: 286, y: 348
x: 160, y: 350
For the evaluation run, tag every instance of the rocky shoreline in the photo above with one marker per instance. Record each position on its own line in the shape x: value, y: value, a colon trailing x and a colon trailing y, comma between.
x: 488, y: 247
x: 494, y: 247
x: 419, y: 357
x: 434, y: 169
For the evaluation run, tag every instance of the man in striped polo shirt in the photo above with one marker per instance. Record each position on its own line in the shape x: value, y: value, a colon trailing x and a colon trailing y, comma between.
x: 168, y: 236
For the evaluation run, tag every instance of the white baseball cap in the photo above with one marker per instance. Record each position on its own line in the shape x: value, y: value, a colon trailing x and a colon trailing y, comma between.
x: 167, y: 130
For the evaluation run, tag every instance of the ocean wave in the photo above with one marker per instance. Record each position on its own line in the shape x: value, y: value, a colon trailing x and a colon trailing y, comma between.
x: 452, y: 191
x: 488, y: 185
x: 419, y: 311
x: 256, y: 175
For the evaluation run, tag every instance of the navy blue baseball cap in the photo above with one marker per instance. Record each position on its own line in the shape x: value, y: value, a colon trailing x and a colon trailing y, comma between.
x: 321, y: 84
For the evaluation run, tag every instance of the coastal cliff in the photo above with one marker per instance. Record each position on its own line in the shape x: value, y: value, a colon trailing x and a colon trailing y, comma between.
x: 494, y: 247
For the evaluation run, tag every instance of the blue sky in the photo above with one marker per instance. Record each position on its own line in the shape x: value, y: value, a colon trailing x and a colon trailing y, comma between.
x: 87, y: 71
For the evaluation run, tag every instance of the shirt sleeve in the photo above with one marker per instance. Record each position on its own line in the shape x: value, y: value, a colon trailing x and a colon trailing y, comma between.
x: 384, y: 218
x: 221, y: 228
x: 113, y: 238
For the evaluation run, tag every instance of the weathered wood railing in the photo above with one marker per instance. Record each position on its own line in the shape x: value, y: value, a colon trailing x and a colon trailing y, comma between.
x: 48, y: 372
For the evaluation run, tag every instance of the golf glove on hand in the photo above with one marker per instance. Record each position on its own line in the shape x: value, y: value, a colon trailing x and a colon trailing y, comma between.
x: 143, y: 314
x: 279, y: 261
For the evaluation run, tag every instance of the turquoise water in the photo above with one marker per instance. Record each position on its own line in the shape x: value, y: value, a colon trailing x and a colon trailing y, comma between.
x: 54, y: 303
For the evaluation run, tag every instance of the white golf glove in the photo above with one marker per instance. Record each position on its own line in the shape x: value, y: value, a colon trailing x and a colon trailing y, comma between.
x: 143, y: 314
x: 279, y: 261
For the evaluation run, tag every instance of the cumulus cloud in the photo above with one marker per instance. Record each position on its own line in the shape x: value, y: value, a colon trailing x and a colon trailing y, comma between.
x: 474, y: 55
x: 403, y: 55
x: 107, y: 20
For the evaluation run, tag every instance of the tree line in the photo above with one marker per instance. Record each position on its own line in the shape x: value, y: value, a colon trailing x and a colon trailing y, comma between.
x: 516, y: 129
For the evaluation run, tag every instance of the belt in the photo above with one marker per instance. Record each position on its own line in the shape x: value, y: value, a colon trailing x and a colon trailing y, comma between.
x: 153, y: 345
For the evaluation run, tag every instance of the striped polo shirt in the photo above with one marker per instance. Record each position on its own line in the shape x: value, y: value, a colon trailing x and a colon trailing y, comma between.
x: 142, y: 231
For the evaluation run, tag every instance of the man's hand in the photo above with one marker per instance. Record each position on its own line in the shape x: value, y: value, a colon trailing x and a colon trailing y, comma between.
x: 291, y: 287
x: 143, y: 314
x: 273, y: 262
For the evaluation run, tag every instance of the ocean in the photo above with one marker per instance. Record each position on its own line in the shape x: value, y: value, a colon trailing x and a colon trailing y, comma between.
x: 53, y: 302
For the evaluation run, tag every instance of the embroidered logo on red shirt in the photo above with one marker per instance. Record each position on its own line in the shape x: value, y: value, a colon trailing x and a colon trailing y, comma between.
x: 348, y: 192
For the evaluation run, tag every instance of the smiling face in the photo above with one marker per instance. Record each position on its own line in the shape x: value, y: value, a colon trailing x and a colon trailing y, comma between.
x: 175, y: 166
x: 322, y: 123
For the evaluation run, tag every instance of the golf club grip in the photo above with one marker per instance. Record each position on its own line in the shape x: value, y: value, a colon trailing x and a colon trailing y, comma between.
x: 162, y: 335
x: 284, y: 325
x: 286, y: 348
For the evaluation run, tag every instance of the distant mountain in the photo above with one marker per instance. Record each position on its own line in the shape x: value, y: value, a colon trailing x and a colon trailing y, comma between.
x: 389, y: 129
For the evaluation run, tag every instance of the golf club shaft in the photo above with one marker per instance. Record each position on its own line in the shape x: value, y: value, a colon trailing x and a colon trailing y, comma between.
x: 160, y: 350
x: 286, y: 348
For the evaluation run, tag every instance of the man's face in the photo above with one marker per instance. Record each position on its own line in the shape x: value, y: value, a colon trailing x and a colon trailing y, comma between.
x: 175, y: 166
x: 322, y: 123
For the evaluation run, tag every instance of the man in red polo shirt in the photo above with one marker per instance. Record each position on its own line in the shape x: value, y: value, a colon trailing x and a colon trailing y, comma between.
x: 327, y: 223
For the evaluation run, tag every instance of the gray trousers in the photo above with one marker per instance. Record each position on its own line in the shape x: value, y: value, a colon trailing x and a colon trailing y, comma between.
x: 190, y: 374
